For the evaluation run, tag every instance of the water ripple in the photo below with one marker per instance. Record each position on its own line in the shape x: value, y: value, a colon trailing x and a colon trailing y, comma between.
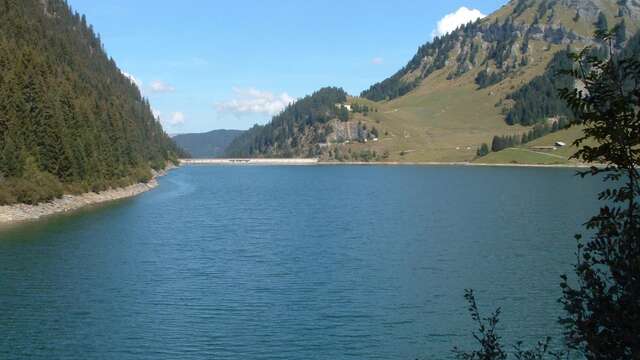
x: 282, y: 263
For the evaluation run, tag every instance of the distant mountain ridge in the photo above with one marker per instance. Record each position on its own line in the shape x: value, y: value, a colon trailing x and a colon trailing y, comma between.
x: 211, y: 144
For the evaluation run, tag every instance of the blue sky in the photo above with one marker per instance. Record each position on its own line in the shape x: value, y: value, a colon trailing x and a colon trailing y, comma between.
x: 209, y: 64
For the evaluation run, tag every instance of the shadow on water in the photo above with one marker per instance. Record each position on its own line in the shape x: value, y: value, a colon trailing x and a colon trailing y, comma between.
x: 57, y: 223
x: 170, y: 188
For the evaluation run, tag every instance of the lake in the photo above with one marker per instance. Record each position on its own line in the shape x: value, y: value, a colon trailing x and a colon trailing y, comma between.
x: 319, y: 262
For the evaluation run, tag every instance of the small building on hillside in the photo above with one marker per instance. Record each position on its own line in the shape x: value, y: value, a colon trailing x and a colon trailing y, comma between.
x: 560, y: 144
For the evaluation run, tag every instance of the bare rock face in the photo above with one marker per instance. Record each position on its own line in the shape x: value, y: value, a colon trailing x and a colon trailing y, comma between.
x: 589, y: 9
x: 631, y: 9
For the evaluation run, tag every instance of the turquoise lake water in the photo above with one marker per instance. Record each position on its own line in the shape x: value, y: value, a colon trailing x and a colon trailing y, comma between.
x: 322, y: 262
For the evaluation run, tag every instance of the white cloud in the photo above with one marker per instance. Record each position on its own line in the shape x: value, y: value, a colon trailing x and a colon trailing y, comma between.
x: 158, y: 86
x: 454, y: 20
x: 133, y: 79
x: 177, y: 118
x: 255, y: 101
x: 377, y: 61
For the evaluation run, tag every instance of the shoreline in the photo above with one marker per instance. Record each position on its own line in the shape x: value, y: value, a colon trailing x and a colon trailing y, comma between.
x: 20, y: 213
x: 463, y: 164
x: 317, y: 162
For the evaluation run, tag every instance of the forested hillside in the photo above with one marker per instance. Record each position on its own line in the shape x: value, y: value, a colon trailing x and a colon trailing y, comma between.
x: 211, y: 144
x: 297, y: 131
x: 69, y: 120
x: 539, y: 99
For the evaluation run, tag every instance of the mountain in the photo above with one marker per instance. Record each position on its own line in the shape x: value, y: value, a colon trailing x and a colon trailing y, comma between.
x: 491, y: 81
x: 295, y: 132
x: 211, y: 144
x: 495, y: 78
x: 70, y: 121
x: 504, y: 43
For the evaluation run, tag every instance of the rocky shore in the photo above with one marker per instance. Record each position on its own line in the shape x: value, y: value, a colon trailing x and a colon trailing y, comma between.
x: 23, y: 212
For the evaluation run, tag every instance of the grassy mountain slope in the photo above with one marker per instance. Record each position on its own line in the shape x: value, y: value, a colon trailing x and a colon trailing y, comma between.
x: 499, y: 46
x: 211, y: 144
x: 447, y: 120
x: 493, y: 78
x: 450, y: 109
x: 529, y: 154
x: 70, y: 121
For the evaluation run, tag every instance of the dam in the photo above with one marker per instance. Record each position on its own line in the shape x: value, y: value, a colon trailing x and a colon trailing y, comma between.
x: 255, y: 162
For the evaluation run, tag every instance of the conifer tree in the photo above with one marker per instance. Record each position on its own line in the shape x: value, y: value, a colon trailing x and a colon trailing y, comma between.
x: 602, y: 24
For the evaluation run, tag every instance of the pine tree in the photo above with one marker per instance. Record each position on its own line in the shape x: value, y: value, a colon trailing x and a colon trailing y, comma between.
x: 343, y: 115
x: 621, y: 34
x: 483, y: 150
x: 602, y: 24
x: 12, y: 158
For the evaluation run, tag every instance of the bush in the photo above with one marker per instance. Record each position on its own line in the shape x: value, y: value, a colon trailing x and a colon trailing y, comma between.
x: 35, y: 186
x: 140, y: 175
x: 99, y: 186
x: 6, y: 196
x: 77, y: 188
x: 34, y: 191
